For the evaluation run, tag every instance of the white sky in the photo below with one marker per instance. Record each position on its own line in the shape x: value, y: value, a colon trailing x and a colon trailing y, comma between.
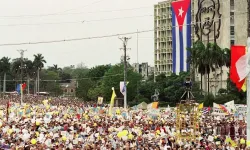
x: 90, y: 52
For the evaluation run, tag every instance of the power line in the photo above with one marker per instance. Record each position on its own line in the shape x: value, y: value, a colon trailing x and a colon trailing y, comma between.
x: 73, y: 22
x: 63, y: 12
x: 77, y: 13
x: 72, y: 79
x: 107, y: 19
x: 75, y: 39
x: 105, y: 36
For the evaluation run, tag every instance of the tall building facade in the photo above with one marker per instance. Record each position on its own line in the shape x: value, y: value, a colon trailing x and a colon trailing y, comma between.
x: 163, y: 37
x: 227, y: 25
x: 220, y: 21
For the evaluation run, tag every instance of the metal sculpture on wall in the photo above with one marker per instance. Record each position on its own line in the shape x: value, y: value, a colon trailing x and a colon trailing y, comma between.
x: 208, y: 20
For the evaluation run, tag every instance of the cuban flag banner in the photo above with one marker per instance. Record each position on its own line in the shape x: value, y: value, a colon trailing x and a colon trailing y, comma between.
x: 181, y: 34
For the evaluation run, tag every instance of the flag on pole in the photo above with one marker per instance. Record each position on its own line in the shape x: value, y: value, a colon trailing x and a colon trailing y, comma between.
x: 112, y: 101
x: 123, y: 87
x: 200, y: 107
x: 206, y: 110
x: 243, y: 66
x: 236, y: 53
x: 20, y: 88
x: 181, y: 34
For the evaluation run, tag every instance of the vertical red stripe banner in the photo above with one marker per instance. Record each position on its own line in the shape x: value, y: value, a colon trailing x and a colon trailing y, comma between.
x: 236, y: 53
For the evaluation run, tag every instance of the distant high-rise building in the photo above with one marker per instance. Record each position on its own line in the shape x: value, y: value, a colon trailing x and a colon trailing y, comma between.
x: 144, y: 69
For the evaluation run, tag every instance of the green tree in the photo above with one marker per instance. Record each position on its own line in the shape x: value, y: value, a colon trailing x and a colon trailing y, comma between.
x: 97, y: 72
x: 195, y: 60
x: 175, y: 88
x: 147, y: 89
x: 55, y: 68
x: 113, y: 77
x: 84, y: 85
x: 206, y: 59
x: 4, y: 69
x: 49, y: 82
x: 38, y: 63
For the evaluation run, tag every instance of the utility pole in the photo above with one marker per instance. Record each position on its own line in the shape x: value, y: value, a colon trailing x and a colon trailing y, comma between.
x: 21, y: 52
x: 125, y: 41
x: 248, y: 76
x: 137, y: 48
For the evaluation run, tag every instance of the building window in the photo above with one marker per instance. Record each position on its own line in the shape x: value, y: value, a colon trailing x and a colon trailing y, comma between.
x: 231, y: 3
x: 65, y: 91
x: 232, y: 42
x: 232, y: 30
x: 72, y: 90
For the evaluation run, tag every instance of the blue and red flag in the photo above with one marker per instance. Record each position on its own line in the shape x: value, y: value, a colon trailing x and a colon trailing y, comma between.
x: 181, y: 34
x: 20, y: 88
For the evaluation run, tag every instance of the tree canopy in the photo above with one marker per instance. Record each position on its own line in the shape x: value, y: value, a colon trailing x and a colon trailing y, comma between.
x: 98, y: 81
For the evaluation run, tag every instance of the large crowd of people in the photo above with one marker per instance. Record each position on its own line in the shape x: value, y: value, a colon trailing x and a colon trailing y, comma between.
x: 57, y: 124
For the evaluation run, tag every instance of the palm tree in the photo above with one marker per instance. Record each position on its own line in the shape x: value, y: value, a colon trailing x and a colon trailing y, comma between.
x: 195, y: 60
x: 38, y: 63
x: 55, y: 68
x: 205, y: 59
x: 16, y: 69
x: 30, y: 72
x: 5, y: 68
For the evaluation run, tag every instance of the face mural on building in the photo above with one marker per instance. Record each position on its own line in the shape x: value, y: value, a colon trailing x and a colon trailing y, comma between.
x: 208, y: 20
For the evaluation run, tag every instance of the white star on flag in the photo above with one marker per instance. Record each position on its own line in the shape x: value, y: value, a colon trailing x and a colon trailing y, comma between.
x: 180, y: 12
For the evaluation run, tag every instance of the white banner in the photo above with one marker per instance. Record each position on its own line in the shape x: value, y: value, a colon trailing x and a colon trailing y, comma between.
x: 218, y: 111
x: 241, y: 109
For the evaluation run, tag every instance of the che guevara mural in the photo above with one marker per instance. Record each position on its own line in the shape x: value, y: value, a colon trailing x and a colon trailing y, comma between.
x: 208, y: 20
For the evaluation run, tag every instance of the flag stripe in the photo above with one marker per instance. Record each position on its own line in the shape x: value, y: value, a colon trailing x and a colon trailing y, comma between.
x: 177, y: 50
x: 184, y: 62
x: 181, y: 49
x: 189, y: 37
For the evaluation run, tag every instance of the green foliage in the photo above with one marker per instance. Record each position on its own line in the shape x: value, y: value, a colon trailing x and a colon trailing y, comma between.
x: 113, y: 77
x: 94, y: 92
x: 97, y: 72
x: 49, y: 86
x: 208, y: 100
x: 147, y: 89
x: 99, y: 80
x: 84, y: 85
x: 175, y: 88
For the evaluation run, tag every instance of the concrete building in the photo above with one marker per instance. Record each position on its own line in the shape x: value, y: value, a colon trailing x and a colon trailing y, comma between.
x: 144, y: 69
x: 69, y: 89
x: 228, y: 26
x: 163, y: 37
x: 225, y: 23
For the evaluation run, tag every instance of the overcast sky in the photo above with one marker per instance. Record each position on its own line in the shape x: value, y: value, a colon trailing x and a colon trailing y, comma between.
x: 17, y: 17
